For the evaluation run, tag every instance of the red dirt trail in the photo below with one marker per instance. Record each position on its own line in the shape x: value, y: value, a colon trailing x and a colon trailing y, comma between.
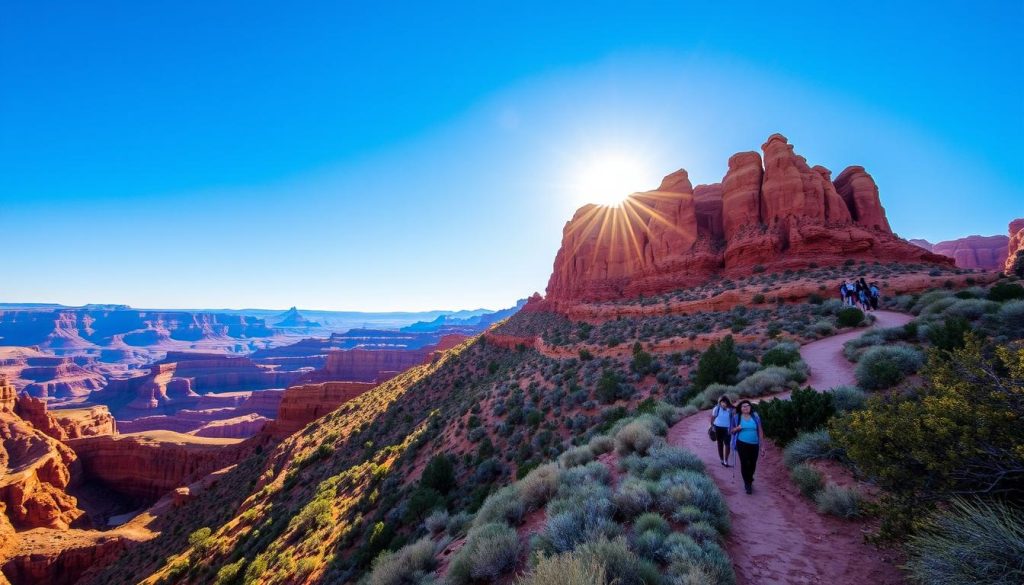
x: 778, y: 536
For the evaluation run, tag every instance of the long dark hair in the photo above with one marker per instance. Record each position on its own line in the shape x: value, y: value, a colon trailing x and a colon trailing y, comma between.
x: 728, y: 403
x: 739, y: 407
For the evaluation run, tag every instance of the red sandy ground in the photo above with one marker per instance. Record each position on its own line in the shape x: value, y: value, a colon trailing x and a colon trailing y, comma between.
x: 778, y: 536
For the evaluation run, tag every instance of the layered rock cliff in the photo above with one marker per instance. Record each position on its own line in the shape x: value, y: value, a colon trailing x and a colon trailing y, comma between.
x: 301, y: 405
x: 780, y: 213
x: 1015, y: 246
x: 979, y: 252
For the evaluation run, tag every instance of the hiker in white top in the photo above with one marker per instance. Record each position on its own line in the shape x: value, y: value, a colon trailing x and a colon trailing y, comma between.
x: 721, y: 418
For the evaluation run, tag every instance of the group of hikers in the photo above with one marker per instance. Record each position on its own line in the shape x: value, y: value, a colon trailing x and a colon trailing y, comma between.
x: 859, y: 293
x: 738, y: 428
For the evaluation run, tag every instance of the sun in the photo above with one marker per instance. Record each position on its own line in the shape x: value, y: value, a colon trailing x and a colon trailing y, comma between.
x: 608, y: 178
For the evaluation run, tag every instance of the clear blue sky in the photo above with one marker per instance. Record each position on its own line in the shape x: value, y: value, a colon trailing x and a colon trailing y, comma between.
x: 232, y: 154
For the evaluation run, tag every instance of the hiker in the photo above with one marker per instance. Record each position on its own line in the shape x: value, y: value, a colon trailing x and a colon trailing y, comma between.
x: 747, y: 441
x: 842, y: 292
x: 721, y: 419
x: 851, y: 293
x: 875, y: 295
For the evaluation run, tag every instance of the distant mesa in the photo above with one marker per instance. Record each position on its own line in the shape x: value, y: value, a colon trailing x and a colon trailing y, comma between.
x: 292, y: 318
x: 981, y: 252
x: 775, y: 213
x: 471, y: 324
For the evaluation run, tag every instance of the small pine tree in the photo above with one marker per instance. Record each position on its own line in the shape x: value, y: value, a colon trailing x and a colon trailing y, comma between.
x: 718, y: 365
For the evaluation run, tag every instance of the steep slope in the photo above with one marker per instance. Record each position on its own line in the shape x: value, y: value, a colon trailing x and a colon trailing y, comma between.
x: 1015, y: 248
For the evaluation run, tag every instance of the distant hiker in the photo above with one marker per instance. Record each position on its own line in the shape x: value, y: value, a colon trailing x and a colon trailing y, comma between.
x: 875, y: 295
x: 721, y: 420
x: 747, y: 440
x: 842, y: 291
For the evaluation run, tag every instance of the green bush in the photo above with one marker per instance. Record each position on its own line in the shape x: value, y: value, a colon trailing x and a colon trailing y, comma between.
x: 839, y: 501
x: 849, y: 317
x: 970, y: 542
x: 719, y: 364
x: 848, y: 398
x: 576, y: 456
x: 609, y: 387
x: 1005, y: 291
x: 643, y: 362
x: 813, y: 445
x: 229, y: 573
x: 633, y: 496
x: 885, y: 366
x: 504, y: 505
x: 1018, y: 265
x: 539, y: 486
x: 635, y: 437
x: 808, y: 479
x: 805, y: 410
x: 651, y: 521
x: 439, y: 474
x: 783, y: 355
x: 422, y: 501
x: 950, y: 334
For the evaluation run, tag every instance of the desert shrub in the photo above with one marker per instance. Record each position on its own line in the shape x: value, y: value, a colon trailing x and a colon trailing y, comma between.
x: 578, y: 523
x: 808, y: 479
x: 651, y: 521
x: 689, y: 488
x: 422, y: 501
x: 621, y: 565
x: 504, y: 505
x: 782, y: 354
x: 565, y: 569
x: 719, y: 364
x: 1017, y: 268
x: 950, y: 334
x: 1005, y: 291
x: 576, y: 456
x: 539, y: 486
x: 970, y: 542
x: 853, y: 349
x: 643, y: 362
x: 649, y: 545
x: 929, y: 298
x: 668, y: 413
x: 458, y: 523
x: 962, y: 432
x: 609, y: 387
x: 885, y: 366
x: 747, y: 368
x: 662, y: 459
x: 822, y: 328
x: 847, y: 398
x: 972, y: 309
x: 813, y: 445
x: 639, y: 435
x: 410, y: 564
x: 601, y: 444
x: 849, y: 317
x: 491, y: 549
x: 691, y: 563
x: 839, y: 501
x: 702, y: 531
x: 436, y: 521
x: 1011, y: 317
x: 805, y: 410
x: 633, y: 496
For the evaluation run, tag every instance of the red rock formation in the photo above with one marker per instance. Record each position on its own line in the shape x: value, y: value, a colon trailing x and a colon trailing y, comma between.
x: 44, y: 375
x: 786, y: 215
x: 35, y: 473
x: 366, y: 365
x: 33, y: 410
x: 148, y: 465
x: 922, y: 244
x: 301, y: 405
x: 238, y: 427
x: 1015, y: 245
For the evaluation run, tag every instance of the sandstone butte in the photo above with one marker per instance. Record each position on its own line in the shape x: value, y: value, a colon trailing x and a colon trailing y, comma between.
x: 1016, y: 243
x: 980, y: 252
x: 775, y: 212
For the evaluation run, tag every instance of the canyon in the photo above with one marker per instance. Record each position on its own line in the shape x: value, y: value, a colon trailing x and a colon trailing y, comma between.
x: 978, y: 252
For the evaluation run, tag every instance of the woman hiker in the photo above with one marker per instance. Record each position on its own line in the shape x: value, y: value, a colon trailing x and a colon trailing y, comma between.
x: 721, y: 419
x: 748, y: 441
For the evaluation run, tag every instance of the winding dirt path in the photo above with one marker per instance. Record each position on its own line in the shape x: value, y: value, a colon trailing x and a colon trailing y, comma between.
x: 777, y: 534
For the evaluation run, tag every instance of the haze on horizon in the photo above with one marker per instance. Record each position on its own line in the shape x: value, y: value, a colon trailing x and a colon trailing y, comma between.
x: 419, y: 157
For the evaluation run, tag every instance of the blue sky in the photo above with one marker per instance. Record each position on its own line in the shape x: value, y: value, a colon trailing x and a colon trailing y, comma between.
x: 421, y: 156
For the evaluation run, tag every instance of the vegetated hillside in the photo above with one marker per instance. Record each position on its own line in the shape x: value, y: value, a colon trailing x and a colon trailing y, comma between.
x: 323, y: 504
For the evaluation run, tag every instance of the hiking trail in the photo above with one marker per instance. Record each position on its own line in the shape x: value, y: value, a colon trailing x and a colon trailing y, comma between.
x: 778, y: 536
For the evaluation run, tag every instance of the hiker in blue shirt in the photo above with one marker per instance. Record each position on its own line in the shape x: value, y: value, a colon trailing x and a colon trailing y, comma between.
x: 747, y: 440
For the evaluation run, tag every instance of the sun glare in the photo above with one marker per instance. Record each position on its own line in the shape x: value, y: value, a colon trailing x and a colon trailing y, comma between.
x: 609, y: 178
